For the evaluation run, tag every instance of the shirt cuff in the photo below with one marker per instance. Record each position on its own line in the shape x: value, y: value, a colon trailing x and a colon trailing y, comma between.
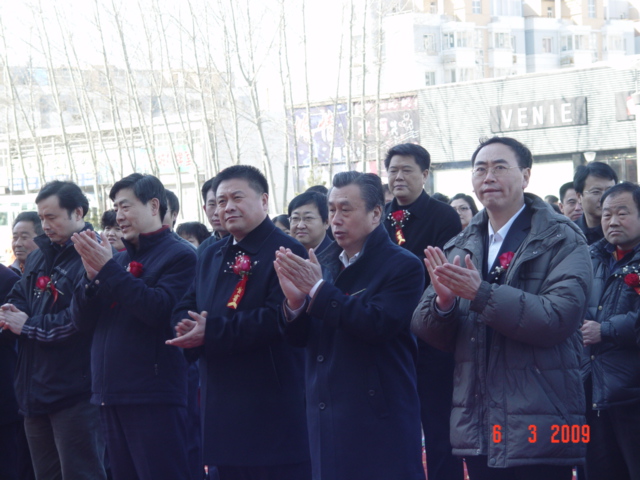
x: 443, y: 313
x: 293, y: 314
x: 315, y: 288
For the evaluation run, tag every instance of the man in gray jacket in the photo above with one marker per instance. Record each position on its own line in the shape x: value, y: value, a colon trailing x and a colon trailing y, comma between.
x: 507, y: 296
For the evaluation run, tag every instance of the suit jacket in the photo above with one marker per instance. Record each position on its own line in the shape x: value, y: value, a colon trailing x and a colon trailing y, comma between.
x: 363, y: 410
x: 252, y: 381
x: 8, y: 355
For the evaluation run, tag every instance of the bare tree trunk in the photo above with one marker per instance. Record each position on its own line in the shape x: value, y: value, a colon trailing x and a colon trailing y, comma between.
x: 115, y: 111
x: 82, y: 109
x: 148, y: 143
x: 379, y: 79
x: 46, y: 48
x: 349, y: 141
x: 287, y: 153
x: 335, y: 101
x: 364, y: 88
x: 158, y: 90
x: 249, y: 74
x: 312, y: 158
x: 290, y: 88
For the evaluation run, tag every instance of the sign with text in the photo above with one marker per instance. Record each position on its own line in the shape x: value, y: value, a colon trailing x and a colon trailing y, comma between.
x: 544, y: 114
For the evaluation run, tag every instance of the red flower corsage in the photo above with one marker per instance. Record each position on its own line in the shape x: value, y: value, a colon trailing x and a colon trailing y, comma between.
x: 135, y: 268
x: 398, y: 219
x: 242, y: 267
x: 633, y: 280
x: 44, y: 284
x: 505, y: 260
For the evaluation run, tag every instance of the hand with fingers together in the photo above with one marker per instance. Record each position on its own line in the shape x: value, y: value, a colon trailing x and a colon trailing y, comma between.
x: 297, y: 276
x: 12, y: 319
x: 190, y: 333
x: 94, y: 253
x: 451, y: 280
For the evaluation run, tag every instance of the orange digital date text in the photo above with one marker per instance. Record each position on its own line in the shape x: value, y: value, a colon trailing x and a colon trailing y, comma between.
x: 558, y: 434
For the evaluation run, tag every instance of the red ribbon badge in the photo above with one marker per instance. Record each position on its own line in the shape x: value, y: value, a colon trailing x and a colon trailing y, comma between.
x: 397, y: 220
x: 242, y: 268
x: 44, y: 283
x: 633, y: 280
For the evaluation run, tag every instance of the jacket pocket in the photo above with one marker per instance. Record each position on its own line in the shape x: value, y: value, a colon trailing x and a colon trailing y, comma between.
x: 375, y: 393
x: 551, y: 394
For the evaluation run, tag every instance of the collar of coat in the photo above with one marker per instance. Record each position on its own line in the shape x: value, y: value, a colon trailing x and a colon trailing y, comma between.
x: 146, y: 241
x: 544, y: 224
x: 330, y: 256
x: 253, y: 241
x: 418, y: 209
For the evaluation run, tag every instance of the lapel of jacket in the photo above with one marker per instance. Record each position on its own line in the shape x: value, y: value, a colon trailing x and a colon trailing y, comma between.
x: 517, y: 233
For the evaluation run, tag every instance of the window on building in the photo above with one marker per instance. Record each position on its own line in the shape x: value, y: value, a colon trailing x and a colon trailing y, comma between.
x: 513, y: 43
x: 449, y: 40
x: 433, y: 8
x: 463, y: 39
x: 429, y: 78
x: 591, y: 8
x: 546, y: 45
x: 581, y: 42
x: 550, y: 12
x: 476, y: 6
x: 450, y: 76
x: 567, y: 43
x: 501, y: 40
x: 429, y: 43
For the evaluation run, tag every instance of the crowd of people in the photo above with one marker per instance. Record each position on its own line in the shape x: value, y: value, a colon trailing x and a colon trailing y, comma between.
x: 332, y: 342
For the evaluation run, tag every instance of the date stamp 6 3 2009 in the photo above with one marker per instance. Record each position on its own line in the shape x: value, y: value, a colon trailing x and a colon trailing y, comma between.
x: 558, y: 434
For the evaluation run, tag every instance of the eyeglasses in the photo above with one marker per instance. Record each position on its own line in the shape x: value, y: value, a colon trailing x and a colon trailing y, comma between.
x: 307, y: 220
x: 497, y: 171
x: 461, y: 209
x: 596, y: 192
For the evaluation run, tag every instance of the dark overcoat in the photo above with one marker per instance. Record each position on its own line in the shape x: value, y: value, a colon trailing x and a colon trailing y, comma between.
x: 8, y: 355
x: 252, y: 380
x: 363, y: 411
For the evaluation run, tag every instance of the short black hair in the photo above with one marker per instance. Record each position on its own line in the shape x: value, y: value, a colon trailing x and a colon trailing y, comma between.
x: 252, y: 175
x: 194, y: 229
x: 145, y: 187
x: 466, y: 198
x: 172, y: 201
x: 30, y: 217
x: 318, y: 189
x: 206, y: 186
x: 441, y: 197
x: 108, y: 219
x: 595, y: 169
x: 283, y: 219
x: 564, y: 189
x: 618, y: 188
x: 551, y: 199
x: 318, y: 199
x: 69, y: 195
x: 370, y: 187
x: 418, y: 152
x: 523, y: 154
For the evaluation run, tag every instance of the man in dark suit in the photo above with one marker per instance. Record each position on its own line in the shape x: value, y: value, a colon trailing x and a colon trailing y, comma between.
x: 414, y: 221
x: 10, y: 421
x: 363, y: 410
x: 252, y: 381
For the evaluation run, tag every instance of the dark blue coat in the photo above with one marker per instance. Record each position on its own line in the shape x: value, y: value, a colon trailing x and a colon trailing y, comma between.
x: 8, y: 355
x: 614, y: 363
x: 130, y: 362
x: 363, y: 411
x: 252, y: 381
x: 53, y: 370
